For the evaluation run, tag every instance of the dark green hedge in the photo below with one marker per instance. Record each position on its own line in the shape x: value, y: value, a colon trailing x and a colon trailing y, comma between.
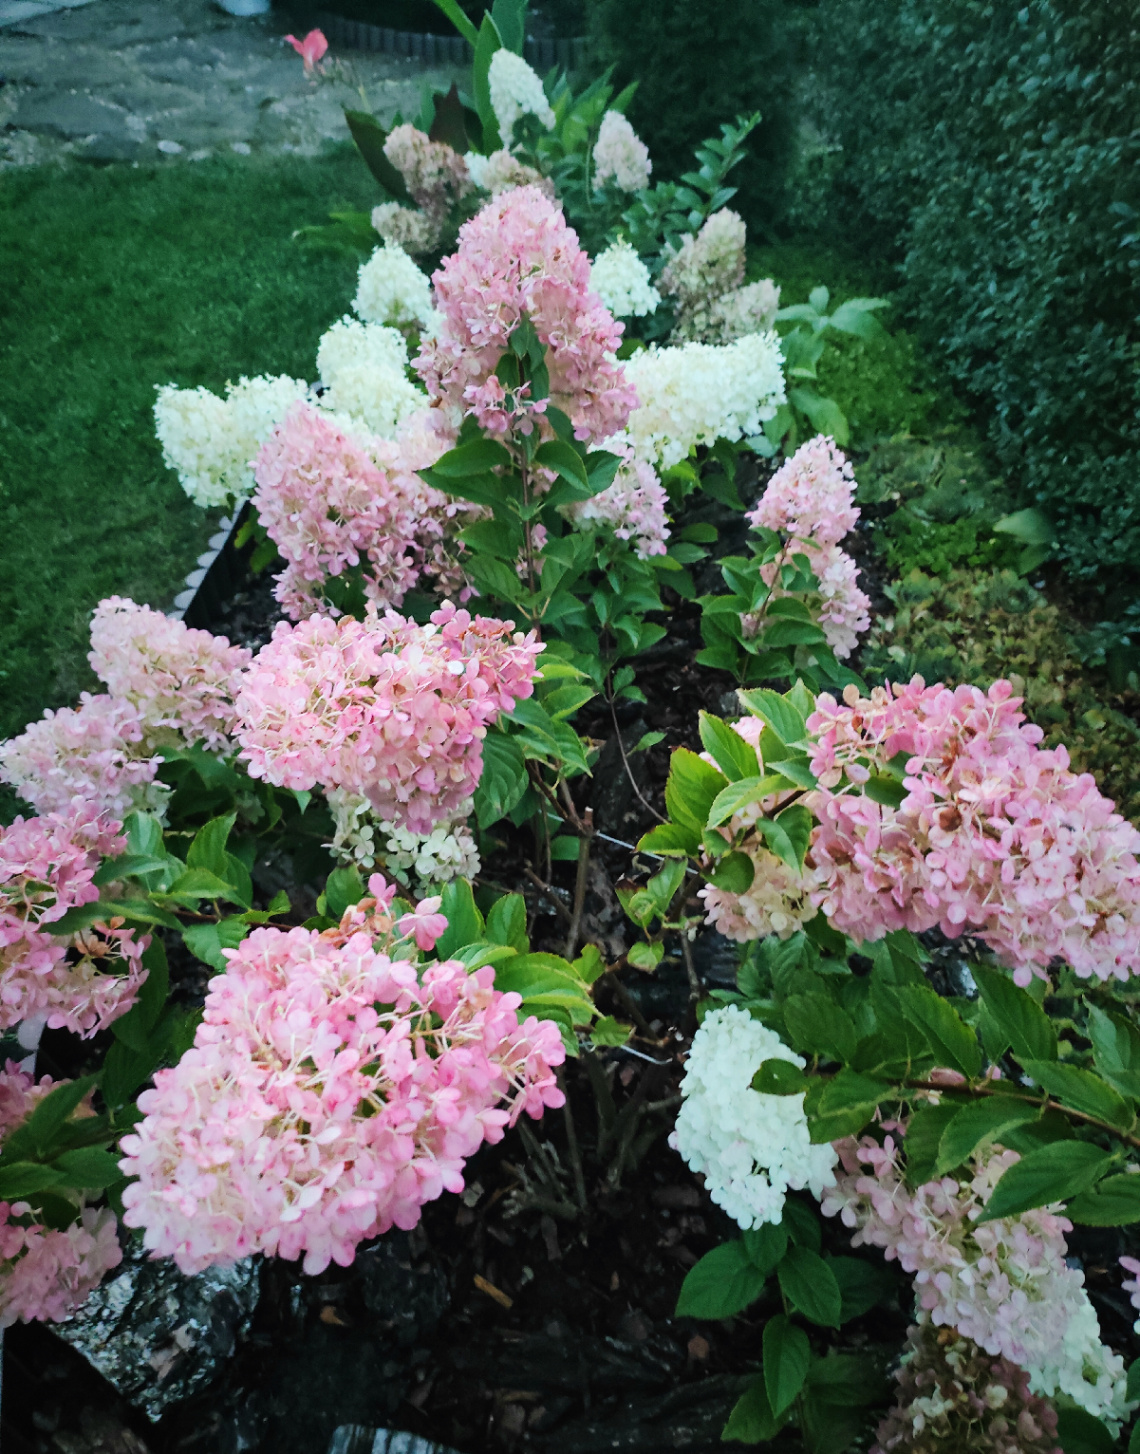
x: 697, y: 64
x: 998, y: 145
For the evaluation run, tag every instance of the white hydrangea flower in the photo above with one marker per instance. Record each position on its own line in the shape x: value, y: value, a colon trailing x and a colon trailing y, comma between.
x: 476, y: 164
x: 420, y: 859
x: 1086, y: 1369
x: 621, y: 154
x: 621, y: 280
x: 391, y: 290
x: 698, y: 393
x: 751, y: 1148
x: 364, y: 369
x: 751, y: 309
x: 516, y: 90
x: 212, y: 442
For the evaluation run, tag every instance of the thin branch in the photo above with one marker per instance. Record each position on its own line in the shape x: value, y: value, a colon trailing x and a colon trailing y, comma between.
x: 579, y: 888
x: 642, y: 799
x: 548, y: 893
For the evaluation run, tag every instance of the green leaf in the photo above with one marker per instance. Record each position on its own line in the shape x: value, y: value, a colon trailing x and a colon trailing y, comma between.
x: 825, y: 415
x: 977, y: 1124
x: 1116, y: 1047
x: 778, y: 840
x: 954, y: 1044
x: 464, y: 921
x: 1080, y: 1090
x: 741, y: 794
x: 818, y: 1026
x: 487, y: 42
x: 724, y: 1282
x: 566, y: 462
x: 506, y: 922
x: 779, y: 1077
x: 206, y: 942
x: 809, y: 1284
x: 49, y: 1115
x: 1018, y: 1015
x: 797, y: 823
x: 370, y: 137
x: 88, y: 1169
x: 208, y: 848
x: 670, y: 838
x: 751, y: 1420
x: 735, y: 758
x: 510, y: 19
x: 692, y: 789
x: 787, y: 1357
x: 21, y: 1178
x: 200, y: 883
x: 777, y: 711
x: 344, y: 887
x: 1079, y: 1433
x: 861, y: 1285
x: 765, y: 1245
x: 791, y: 633
x: 458, y: 18
x: 608, y: 1031
x: 923, y: 1140
x: 734, y: 873
x: 1053, y: 1174
x: 475, y: 458
x: 1115, y: 1202
x: 1031, y: 527
x: 1132, y: 1386
x: 504, y: 779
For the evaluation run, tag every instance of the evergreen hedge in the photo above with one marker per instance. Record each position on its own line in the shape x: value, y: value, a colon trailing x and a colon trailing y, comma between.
x: 999, y: 145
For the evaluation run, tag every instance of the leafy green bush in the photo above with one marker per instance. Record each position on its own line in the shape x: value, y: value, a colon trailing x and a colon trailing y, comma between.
x: 998, y: 144
x: 976, y: 627
x: 945, y: 503
x: 699, y: 65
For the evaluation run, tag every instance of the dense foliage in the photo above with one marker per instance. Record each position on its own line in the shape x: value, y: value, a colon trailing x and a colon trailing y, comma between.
x: 996, y: 147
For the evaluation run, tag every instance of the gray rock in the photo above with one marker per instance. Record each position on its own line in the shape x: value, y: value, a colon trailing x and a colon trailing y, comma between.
x: 159, y: 1336
x: 356, y: 1439
x: 62, y: 114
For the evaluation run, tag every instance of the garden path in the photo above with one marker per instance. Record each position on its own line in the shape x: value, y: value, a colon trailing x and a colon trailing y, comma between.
x: 173, y: 80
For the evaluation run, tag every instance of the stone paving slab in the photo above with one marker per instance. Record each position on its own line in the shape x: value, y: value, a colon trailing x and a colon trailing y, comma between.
x: 168, y: 81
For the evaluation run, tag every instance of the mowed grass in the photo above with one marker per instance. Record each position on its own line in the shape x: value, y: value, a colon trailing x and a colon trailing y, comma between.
x: 113, y: 281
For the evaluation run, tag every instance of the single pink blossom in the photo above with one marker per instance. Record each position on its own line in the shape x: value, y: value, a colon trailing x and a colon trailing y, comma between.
x: 425, y: 924
x: 311, y: 49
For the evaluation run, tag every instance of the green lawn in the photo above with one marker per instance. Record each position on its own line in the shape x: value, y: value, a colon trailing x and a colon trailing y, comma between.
x: 116, y: 280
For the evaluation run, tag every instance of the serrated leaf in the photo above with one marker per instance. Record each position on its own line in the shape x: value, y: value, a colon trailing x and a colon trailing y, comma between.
x: 735, y: 758
x: 724, y: 1282
x: 506, y: 923
x: 1080, y: 1090
x: 1019, y: 1017
x: 810, y: 1286
x: 765, y: 1245
x: 206, y: 942
x: 954, y: 1044
x: 692, y: 789
x: 734, y: 873
x: 1079, y: 1433
x: 818, y: 1026
x: 785, y: 720
x: 1053, y: 1174
x: 208, y: 847
x: 787, y: 1357
x: 20, y: 1179
x: 977, y: 1124
x: 798, y: 823
x: 779, y: 1077
x: 464, y: 921
x: 477, y: 457
x: 861, y: 1285
x: 87, y: 1169
x: 670, y: 838
x: 751, y: 1420
x: 742, y: 794
x: 608, y: 1031
x: 1114, y: 1202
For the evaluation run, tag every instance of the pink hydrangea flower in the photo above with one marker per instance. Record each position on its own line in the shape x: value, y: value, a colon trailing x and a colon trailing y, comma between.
x: 518, y: 258
x: 384, y: 708
x: 635, y: 507
x: 330, y: 499
x: 81, y: 982
x: 1005, y: 1284
x: 181, y: 680
x: 844, y: 610
x: 811, y: 496
x: 425, y: 925
x: 96, y: 752
x: 331, y: 1091
x: 45, y: 1274
x: 434, y: 173
x: 995, y: 835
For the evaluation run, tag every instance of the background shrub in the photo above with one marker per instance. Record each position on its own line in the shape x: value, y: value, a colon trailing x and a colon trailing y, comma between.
x: 698, y: 65
x: 996, y: 149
